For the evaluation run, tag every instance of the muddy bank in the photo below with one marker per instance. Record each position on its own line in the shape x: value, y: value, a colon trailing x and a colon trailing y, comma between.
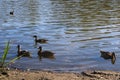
x: 47, y: 75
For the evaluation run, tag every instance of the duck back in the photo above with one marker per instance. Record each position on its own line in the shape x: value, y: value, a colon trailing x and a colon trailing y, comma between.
x: 47, y: 53
x: 106, y: 55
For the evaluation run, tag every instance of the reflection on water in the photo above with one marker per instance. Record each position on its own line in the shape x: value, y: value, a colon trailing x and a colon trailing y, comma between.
x: 76, y: 31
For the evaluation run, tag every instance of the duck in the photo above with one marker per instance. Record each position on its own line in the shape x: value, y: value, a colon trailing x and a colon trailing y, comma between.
x: 45, y: 54
x: 12, y: 12
x: 23, y: 53
x: 108, y: 55
x: 39, y: 40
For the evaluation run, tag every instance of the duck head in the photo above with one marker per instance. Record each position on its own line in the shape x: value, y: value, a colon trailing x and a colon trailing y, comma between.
x: 18, y: 46
x: 35, y: 36
x: 40, y: 50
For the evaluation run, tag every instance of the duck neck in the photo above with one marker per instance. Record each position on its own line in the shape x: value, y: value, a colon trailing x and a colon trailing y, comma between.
x: 40, y: 51
x: 35, y: 38
x: 19, y: 50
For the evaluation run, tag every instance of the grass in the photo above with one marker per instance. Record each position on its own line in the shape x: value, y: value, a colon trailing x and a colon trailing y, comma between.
x: 3, y: 62
x: 5, y: 54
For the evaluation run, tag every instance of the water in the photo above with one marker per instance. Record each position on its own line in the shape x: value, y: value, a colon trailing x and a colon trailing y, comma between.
x: 76, y: 29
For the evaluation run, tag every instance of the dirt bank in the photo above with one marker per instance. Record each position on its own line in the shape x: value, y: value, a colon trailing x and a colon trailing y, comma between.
x: 47, y: 75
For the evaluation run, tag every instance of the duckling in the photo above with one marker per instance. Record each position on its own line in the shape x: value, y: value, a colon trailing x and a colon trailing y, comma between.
x: 108, y: 55
x: 45, y: 54
x: 39, y: 40
x: 23, y: 53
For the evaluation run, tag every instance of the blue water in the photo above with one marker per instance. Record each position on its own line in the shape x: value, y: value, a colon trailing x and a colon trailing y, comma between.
x: 76, y: 32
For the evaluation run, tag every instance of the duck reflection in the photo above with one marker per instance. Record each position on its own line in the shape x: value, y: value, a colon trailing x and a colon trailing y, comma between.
x: 45, y: 54
x: 108, y: 55
x: 41, y: 57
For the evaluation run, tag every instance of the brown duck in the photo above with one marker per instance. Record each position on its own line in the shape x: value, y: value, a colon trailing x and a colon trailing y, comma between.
x: 108, y: 55
x: 40, y: 40
x: 23, y: 53
x: 45, y: 54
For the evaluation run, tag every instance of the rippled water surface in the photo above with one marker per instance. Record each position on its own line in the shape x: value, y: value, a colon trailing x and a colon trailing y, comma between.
x: 76, y: 29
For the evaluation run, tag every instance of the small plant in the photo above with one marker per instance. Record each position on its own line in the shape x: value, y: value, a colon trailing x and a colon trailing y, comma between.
x: 2, y: 61
x: 3, y: 64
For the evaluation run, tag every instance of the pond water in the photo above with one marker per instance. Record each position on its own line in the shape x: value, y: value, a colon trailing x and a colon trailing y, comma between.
x: 76, y: 31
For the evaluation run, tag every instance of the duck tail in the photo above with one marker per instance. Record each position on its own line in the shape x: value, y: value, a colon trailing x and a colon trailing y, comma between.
x: 102, y: 53
x: 113, y: 58
x: 113, y: 55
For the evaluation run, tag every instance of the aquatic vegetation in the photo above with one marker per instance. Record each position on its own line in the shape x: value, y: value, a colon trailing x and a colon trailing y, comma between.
x: 3, y: 62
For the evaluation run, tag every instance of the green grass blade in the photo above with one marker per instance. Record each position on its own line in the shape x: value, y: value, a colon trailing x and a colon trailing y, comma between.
x: 13, y: 60
x: 5, y: 53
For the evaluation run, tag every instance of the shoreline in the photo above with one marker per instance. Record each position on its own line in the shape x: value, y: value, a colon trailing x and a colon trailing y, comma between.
x: 49, y: 75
